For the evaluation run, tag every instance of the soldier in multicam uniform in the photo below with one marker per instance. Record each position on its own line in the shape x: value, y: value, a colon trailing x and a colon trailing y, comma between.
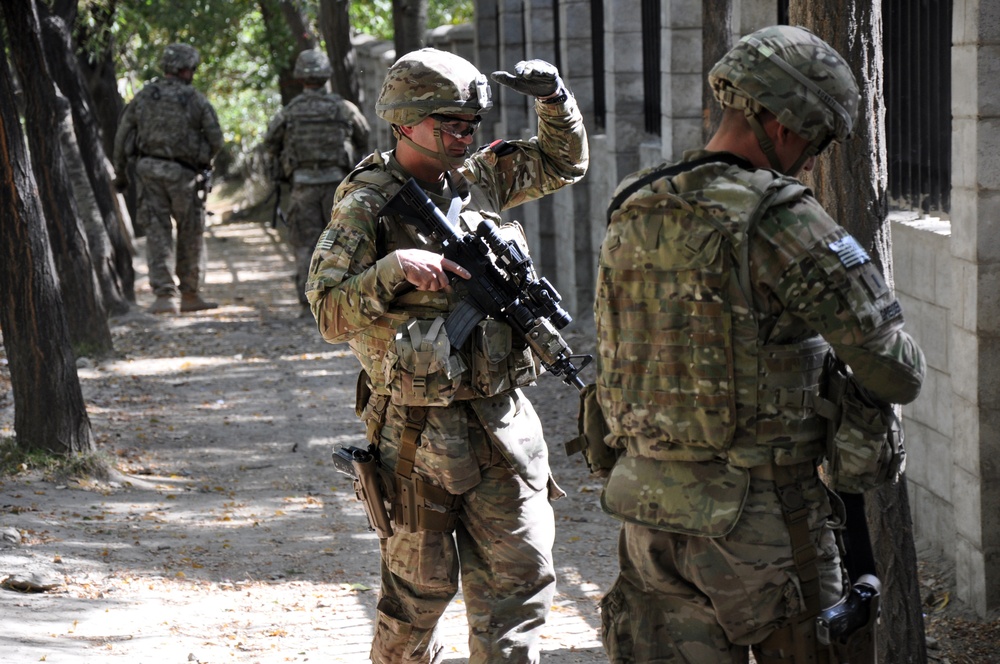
x: 173, y: 132
x: 462, y: 450
x: 315, y: 141
x: 722, y: 287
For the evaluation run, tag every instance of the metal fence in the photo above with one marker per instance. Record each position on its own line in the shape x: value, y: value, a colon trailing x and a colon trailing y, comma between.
x: 917, y: 52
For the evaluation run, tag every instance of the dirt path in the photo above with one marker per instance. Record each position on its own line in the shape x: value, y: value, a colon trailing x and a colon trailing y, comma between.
x: 229, y: 537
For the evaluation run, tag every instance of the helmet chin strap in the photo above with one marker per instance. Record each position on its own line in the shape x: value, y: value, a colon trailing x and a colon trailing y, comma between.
x: 765, y: 142
x: 767, y: 146
x: 441, y: 155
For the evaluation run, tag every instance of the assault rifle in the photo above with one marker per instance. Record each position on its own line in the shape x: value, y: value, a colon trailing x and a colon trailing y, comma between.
x: 203, y: 183
x: 503, y: 284
x: 362, y: 467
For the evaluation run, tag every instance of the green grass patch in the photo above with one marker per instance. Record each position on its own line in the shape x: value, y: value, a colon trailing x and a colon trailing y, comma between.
x: 54, y: 467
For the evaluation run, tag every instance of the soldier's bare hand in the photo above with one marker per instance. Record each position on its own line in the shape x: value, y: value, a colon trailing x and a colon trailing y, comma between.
x: 428, y: 271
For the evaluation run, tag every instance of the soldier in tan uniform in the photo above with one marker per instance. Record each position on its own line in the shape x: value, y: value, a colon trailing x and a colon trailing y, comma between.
x: 315, y: 141
x: 723, y: 288
x: 465, y: 465
x: 173, y: 133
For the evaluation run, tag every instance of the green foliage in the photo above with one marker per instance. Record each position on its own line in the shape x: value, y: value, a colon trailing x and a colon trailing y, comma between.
x: 244, y: 44
x: 14, y: 460
x: 374, y: 17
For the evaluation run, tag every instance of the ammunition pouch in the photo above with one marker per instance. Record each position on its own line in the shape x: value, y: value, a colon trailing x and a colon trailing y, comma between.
x: 497, y: 365
x: 864, y: 441
x: 418, y: 506
x: 593, y: 430
x: 422, y: 371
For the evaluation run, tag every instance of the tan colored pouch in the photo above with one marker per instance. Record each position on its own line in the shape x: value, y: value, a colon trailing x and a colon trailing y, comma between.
x: 687, y: 497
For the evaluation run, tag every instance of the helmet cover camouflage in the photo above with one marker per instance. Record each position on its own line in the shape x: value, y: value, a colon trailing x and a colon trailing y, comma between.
x: 179, y: 56
x: 312, y: 65
x: 430, y: 81
x: 795, y: 75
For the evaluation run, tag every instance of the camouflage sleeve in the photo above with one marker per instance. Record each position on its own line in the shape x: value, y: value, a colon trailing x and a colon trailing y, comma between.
x: 210, y: 127
x: 822, y: 277
x: 516, y: 172
x: 275, y: 134
x: 349, y: 287
x: 126, y: 126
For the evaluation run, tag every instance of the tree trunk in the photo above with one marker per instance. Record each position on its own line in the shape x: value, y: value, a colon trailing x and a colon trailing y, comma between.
x: 335, y: 24
x: 81, y: 294
x: 850, y: 182
x: 97, y: 69
x: 60, y: 60
x: 66, y: 74
x: 49, y: 412
x: 273, y: 25
x: 716, y: 42
x: 409, y: 24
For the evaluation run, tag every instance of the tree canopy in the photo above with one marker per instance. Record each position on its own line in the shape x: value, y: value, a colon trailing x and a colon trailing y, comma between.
x: 244, y: 46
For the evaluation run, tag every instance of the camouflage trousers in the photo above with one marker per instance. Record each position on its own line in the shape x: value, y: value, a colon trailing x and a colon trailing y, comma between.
x: 698, y: 600
x: 308, y: 216
x: 501, y: 549
x: 166, y: 189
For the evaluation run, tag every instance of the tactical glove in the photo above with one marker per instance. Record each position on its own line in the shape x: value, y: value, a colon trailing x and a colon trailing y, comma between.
x: 536, y: 78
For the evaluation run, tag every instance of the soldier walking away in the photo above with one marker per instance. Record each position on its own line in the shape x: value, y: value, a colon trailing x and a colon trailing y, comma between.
x: 463, y: 461
x: 172, y: 133
x: 726, y: 299
x: 314, y: 141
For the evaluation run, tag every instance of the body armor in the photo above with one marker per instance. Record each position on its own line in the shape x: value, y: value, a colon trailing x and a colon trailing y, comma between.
x: 405, y: 352
x: 685, y: 374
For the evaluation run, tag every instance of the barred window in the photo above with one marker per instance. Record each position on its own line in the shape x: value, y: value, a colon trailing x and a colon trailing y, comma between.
x: 651, y: 65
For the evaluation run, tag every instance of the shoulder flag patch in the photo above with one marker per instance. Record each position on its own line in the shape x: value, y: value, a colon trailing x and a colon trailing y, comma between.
x: 850, y: 253
x: 326, y: 240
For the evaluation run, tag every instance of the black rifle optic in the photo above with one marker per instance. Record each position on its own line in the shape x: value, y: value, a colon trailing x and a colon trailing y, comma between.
x: 503, y: 284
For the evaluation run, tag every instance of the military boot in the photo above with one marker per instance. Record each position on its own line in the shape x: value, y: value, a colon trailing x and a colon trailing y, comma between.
x: 164, y: 305
x: 193, y: 302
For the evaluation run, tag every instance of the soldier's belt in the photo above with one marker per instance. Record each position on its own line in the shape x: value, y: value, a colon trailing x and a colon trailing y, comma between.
x: 798, y: 471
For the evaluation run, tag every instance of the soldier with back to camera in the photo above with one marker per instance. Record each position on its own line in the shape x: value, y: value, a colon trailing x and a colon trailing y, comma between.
x: 464, y: 463
x: 314, y: 141
x: 725, y: 293
x: 172, y: 133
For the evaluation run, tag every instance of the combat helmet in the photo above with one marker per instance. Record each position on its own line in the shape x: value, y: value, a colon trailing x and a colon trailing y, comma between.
x: 795, y: 75
x: 177, y: 57
x: 430, y: 81
x: 312, y: 65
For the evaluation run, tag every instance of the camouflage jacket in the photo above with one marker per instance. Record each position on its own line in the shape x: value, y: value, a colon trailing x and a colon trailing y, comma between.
x: 317, y: 138
x: 168, y: 119
x: 789, y: 282
x: 807, y: 276
x: 356, y: 283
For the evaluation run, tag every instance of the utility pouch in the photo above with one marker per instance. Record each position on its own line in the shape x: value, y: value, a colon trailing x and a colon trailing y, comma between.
x: 865, y: 441
x: 426, y: 372
x: 497, y: 366
x: 593, y: 430
x: 419, y: 506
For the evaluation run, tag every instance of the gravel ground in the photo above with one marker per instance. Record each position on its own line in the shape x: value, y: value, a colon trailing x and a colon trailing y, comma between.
x: 226, y: 536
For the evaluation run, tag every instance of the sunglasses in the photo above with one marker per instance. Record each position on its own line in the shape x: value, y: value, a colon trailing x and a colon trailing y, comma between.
x: 456, y: 127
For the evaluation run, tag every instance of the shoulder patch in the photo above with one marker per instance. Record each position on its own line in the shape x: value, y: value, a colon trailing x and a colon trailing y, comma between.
x: 850, y: 253
x: 327, y: 240
x: 501, y: 148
